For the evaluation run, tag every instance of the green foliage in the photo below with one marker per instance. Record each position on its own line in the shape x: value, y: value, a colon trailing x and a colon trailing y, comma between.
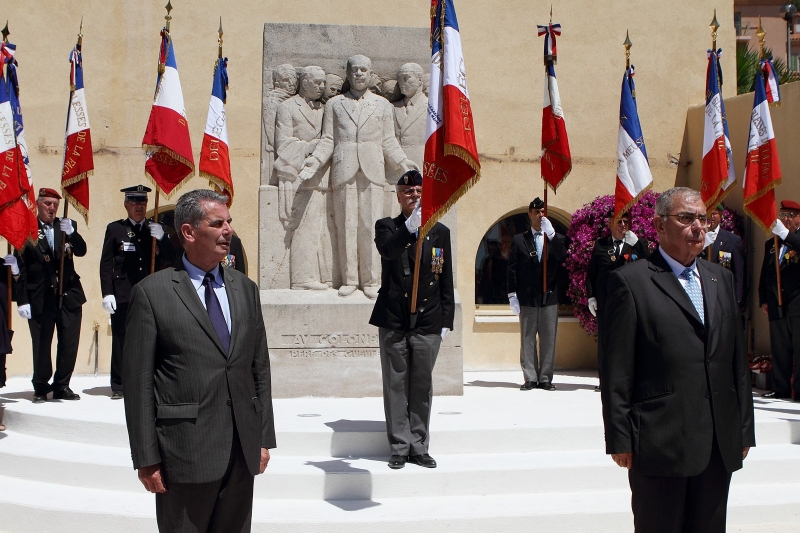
x: 747, y: 62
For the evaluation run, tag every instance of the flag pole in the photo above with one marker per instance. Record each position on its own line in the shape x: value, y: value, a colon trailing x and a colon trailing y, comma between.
x: 9, y: 249
x: 548, y: 60
x: 161, y: 69
x: 714, y: 27
x: 776, y: 242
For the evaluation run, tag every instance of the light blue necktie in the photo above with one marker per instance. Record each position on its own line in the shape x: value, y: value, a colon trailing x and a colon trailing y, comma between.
x: 48, y: 232
x: 692, y: 288
x: 537, y: 241
x: 782, y: 254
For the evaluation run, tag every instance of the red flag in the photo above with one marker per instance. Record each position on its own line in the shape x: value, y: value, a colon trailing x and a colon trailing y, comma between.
x: 78, y: 158
x: 556, y: 160
x: 215, y: 162
x: 451, y: 164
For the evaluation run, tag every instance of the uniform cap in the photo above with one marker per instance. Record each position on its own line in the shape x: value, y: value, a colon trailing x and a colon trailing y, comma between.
x: 46, y: 192
x: 537, y: 203
x: 789, y: 205
x: 411, y: 177
x: 136, y: 191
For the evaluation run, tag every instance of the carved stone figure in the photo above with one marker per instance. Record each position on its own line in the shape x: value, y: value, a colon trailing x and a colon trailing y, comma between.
x: 391, y: 91
x: 333, y: 86
x: 358, y: 134
x: 426, y: 84
x: 284, y: 82
x: 410, y: 112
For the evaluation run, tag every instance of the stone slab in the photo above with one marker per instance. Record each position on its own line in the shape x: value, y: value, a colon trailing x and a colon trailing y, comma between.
x: 322, y: 345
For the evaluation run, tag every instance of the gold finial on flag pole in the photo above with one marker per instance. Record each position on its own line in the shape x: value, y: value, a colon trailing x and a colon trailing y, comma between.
x: 80, y: 35
x: 627, y: 44
x: 551, y: 13
x: 760, y: 34
x: 6, y: 33
x: 219, y: 39
x: 714, y: 27
x: 168, y: 17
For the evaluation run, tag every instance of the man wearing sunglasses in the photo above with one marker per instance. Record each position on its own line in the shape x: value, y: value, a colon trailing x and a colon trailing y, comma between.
x: 784, y: 322
x: 619, y: 248
x: 677, y: 400
x: 124, y: 262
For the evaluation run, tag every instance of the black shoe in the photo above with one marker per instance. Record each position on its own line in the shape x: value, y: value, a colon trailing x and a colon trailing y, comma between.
x: 397, y: 462
x: 528, y: 385
x: 39, y: 398
x: 423, y: 460
x: 547, y: 386
x: 65, y: 394
x: 773, y: 395
x: 116, y: 395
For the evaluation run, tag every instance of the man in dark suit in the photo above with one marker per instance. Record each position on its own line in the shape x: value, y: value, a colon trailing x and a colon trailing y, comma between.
x: 726, y: 250
x: 38, y: 300
x: 198, y: 399
x: 537, y: 310
x: 409, y: 350
x: 124, y: 262
x: 784, y: 322
x: 610, y: 253
x: 677, y: 402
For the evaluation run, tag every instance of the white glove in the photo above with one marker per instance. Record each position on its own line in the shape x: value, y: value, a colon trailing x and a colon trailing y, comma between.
x: 110, y: 304
x: 24, y: 311
x: 445, y: 331
x: 11, y: 261
x: 66, y: 226
x: 630, y: 238
x: 513, y: 302
x: 415, y: 220
x: 547, y: 228
x: 710, y: 238
x: 592, y: 304
x: 780, y: 230
x: 156, y: 230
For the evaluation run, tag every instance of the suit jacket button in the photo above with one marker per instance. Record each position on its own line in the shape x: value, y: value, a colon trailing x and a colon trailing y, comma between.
x: 229, y: 402
x: 228, y: 368
x: 707, y: 394
x: 406, y: 295
x: 431, y: 283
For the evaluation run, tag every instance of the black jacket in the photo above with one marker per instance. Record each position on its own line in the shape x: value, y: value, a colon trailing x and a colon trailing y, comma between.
x: 525, y: 270
x: 125, y: 259
x: 790, y: 278
x: 435, y: 297
x: 731, y: 243
x: 38, y: 272
x: 605, y: 260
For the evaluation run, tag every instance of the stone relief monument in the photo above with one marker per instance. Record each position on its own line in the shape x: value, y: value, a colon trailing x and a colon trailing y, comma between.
x: 338, y: 129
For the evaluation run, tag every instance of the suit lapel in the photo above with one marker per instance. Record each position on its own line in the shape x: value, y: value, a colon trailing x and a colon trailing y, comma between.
x: 351, y: 107
x: 307, y: 112
x: 368, y: 106
x: 665, y: 278
x: 709, y: 283
x: 235, y: 304
x: 188, y: 295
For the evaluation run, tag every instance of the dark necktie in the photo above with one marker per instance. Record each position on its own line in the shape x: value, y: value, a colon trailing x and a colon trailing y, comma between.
x: 215, y: 313
x: 137, y: 228
x: 618, y: 247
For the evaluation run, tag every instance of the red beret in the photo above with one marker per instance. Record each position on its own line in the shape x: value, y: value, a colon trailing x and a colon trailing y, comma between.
x: 46, y: 192
x: 789, y: 205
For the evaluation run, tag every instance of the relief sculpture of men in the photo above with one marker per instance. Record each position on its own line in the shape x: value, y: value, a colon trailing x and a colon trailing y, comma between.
x: 301, y: 204
x: 358, y: 135
x: 410, y: 112
x: 284, y: 85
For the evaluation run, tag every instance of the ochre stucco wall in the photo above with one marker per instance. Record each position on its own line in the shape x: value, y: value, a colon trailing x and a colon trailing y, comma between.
x: 503, y: 61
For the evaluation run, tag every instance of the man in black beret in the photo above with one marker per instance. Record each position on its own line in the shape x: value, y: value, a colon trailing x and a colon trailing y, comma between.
x: 408, y: 352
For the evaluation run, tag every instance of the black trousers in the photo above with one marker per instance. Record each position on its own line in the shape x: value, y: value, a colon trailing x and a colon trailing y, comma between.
x: 784, y: 337
x: 67, y: 325
x: 117, y: 343
x: 695, y: 504
x: 223, y: 506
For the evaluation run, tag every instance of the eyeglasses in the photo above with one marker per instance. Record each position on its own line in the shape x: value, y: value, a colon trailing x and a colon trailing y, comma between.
x: 787, y: 214
x: 136, y: 201
x: 687, y: 219
x: 410, y: 191
x: 623, y: 222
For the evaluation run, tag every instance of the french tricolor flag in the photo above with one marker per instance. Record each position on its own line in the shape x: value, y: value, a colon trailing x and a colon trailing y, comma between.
x: 169, y: 148
x: 718, y: 173
x: 215, y: 163
x: 556, y: 160
x: 772, y: 87
x: 451, y: 164
x: 763, y: 170
x: 78, y: 158
x: 633, y: 168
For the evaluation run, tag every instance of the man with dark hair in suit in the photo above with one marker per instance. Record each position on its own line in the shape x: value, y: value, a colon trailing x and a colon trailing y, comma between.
x: 198, y: 398
x: 621, y: 247
x: 725, y: 250
x: 124, y: 262
x: 537, y: 310
x: 409, y: 350
x: 784, y: 322
x: 677, y: 401
x: 39, y: 302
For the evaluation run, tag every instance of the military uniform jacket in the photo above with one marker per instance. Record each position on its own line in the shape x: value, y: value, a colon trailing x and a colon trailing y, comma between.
x: 729, y: 243
x: 39, y: 271
x: 125, y: 259
x: 525, y: 270
x: 790, y: 278
x: 435, y: 297
x: 605, y: 260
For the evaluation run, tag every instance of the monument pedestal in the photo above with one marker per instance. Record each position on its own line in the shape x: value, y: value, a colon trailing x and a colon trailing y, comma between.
x: 321, y: 344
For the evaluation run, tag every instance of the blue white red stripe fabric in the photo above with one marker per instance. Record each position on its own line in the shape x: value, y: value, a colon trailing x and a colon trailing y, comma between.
x: 718, y: 173
x: 772, y: 86
x: 633, y: 168
x: 215, y: 162
x: 556, y: 160
x: 78, y: 159
x: 166, y: 140
x: 451, y: 164
x: 762, y: 171
x: 17, y: 206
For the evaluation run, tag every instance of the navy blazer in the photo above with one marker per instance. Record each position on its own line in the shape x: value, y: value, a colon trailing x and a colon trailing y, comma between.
x: 525, y: 270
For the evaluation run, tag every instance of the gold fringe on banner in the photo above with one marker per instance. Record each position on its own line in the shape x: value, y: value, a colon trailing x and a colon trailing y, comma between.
x: 76, y: 179
x: 630, y: 204
x: 461, y: 191
x: 220, y: 185
x: 750, y: 199
x: 156, y: 149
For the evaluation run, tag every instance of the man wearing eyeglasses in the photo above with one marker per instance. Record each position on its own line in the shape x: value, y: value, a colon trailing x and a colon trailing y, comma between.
x: 124, y: 262
x: 725, y: 249
x: 677, y: 400
x: 784, y: 322
x: 619, y: 248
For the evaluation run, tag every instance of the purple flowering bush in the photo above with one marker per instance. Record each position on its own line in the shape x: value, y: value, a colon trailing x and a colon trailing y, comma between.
x: 589, y: 224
